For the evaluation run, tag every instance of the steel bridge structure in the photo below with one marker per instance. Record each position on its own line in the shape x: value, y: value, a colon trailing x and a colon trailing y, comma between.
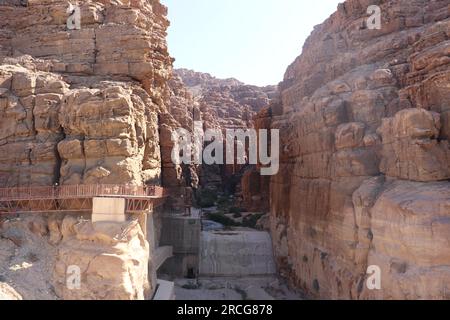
x: 78, y: 198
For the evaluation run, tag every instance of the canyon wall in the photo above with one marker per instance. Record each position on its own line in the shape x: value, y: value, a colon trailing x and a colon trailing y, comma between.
x: 46, y: 257
x: 226, y: 103
x: 229, y: 103
x: 364, y: 119
x: 82, y: 106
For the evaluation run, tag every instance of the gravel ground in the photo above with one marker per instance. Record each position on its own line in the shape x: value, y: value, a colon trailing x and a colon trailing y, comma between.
x: 267, y: 288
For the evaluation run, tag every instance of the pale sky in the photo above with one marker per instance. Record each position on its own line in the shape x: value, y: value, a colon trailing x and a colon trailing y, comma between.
x: 253, y: 41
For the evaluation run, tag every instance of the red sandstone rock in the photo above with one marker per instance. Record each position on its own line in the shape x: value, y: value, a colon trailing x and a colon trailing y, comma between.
x: 84, y: 110
x: 226, y: 102
x: 83, y: 107
x: 365, y: 155
x: 222, y: 104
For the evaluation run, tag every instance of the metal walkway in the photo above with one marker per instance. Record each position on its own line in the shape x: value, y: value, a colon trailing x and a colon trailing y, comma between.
x: 78, y: 198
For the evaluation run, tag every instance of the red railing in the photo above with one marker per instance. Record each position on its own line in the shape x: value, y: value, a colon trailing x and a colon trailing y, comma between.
x: 80, y: 191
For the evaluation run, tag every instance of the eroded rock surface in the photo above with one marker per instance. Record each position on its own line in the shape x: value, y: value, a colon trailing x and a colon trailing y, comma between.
x: 113, y: 260
x: 228, y: 104
x: 39, y: 253
x: 8, y: 293
x: 77, y: 108
x: 82, y: 107
x: 363, y: 118
x: 27, y: 256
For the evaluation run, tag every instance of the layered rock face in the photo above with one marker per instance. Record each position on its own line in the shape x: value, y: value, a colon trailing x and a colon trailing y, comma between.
x: 82, y: 106
x: 229, y: 104
x: 113, y: 260
x: 8, y: 293
x: 55, y: 257
x: 254, y: 191
x: 226, y: 103
x: 182, y: 110
x: 364, y: 123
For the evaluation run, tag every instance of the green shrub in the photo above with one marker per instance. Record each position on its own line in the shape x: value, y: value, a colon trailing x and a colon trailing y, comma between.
x: 235, y: 210
x: 223, y: 202
x: 243, y: 293
x: 220, y: 218
x: 251, y: 221
x: 191, y: 286
x: 207, y: 198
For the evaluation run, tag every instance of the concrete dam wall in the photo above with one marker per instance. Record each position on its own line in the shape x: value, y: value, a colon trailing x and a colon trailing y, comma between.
x: 236, y: 254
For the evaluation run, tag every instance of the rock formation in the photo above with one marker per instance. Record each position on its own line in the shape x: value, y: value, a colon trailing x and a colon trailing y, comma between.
x: 8, y: 293
x: 84, y: 107
x: 364, y: 119
x: 364, y: 123
x: 38, y: 251
x: 113, y: 260
x: 79, y: 108
x: 27, y: 256
x: 226, y: 103
x: 223, y: 104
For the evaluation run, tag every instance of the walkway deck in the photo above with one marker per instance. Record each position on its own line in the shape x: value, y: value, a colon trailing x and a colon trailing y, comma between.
x: 78, y: 198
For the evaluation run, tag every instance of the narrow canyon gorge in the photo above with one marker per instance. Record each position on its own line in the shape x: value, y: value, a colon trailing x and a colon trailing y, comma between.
x: 364, y: 166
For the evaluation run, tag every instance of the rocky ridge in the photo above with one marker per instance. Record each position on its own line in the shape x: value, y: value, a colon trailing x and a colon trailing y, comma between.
x: 82, y: 107
x: 222, y: 104
x: 225, y: 103
x: 363, y: 117
x: 75, y: 107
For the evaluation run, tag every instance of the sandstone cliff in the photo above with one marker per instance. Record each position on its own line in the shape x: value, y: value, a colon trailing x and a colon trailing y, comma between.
x: 81, y: 107
x: 229, y: 103
x: 8, y: 293
x: 37, y: 253
x: 364, y: 119
x: 226, y: 103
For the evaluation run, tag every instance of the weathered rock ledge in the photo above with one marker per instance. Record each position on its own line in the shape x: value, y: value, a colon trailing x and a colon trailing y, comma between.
x: 364, y: 176
x: 81, y: 107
